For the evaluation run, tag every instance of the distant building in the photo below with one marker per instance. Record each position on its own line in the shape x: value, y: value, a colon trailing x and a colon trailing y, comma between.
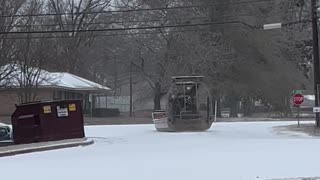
x: 56, y: 86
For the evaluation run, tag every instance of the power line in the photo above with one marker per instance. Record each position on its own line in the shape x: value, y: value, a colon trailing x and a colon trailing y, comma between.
x: 297, y: 22
x: 102, y: 35
x: 125, y: 34
x: 124, y: 29
x: 134, y: 21
x: 137, y: 10
x: 150, y: 27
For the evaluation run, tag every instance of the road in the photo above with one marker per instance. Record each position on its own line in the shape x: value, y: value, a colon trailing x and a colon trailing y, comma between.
x: 147, y: 120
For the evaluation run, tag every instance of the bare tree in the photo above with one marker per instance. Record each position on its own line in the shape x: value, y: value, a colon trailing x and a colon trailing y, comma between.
x: 31, y: 54
x: 75, y: 16
x: 272, y: 54
x: 157, y: 50
x: 8, y: 8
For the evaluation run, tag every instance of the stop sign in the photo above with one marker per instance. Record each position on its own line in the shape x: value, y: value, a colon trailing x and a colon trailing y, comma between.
x: 297, y: 99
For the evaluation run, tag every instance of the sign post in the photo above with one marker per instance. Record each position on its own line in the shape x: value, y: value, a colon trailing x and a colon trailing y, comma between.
x: 298, y: 99
x: 298, y: 116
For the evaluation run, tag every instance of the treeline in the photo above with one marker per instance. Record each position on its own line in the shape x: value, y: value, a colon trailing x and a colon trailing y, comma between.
x: 151, y: 40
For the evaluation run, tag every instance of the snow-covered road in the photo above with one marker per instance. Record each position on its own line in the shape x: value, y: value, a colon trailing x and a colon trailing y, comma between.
x: 229, y: 151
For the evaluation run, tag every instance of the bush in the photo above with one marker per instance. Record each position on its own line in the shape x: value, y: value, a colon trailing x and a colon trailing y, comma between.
x: 106, y: 112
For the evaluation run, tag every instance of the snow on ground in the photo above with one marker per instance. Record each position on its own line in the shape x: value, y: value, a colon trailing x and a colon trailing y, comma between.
x: 229, y: 151
x: 301, y: 178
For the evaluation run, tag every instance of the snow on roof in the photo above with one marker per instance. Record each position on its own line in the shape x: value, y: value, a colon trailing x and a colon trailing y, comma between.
x: 186, y: 82
x: 54, y: 80
x: 186, y: 77
x: 72, y: 81
x: 17, y: 73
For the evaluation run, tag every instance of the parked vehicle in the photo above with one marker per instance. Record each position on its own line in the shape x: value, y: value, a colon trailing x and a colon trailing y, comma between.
x: 225, y: 113
x: 5, y: 132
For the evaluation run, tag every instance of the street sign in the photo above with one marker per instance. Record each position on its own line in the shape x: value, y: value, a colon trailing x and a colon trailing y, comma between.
x: 272, y: 26
x: 297, y: 99
x: 316, y: 109
x: 297, y: 92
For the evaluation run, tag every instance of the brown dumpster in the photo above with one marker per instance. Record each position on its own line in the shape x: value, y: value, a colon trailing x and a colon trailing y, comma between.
x: 47, y: 121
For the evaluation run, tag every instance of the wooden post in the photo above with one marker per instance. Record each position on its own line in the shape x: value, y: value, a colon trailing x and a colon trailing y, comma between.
x: 208, y: 108
x: 184, y: 97
x: 131, y: 108
x: 197, y: 100
x: 316, y: 62
x: 215, y: 110
x: 298, y: 116
x: 91, y: 104
x: 106, y: 101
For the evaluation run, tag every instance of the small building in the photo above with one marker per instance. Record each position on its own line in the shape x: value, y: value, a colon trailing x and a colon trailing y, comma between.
x: 52, y: 86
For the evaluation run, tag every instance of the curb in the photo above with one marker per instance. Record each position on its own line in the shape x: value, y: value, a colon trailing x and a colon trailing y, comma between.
x: 85, y: 142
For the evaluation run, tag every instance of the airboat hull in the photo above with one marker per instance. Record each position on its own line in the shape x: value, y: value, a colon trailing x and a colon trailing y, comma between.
x: 181, y: 125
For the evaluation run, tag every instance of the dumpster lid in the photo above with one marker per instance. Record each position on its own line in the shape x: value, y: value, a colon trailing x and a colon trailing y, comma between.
x: 48, y: 101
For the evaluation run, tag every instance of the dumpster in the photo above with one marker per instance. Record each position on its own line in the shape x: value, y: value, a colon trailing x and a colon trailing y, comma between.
x: 47, y: 121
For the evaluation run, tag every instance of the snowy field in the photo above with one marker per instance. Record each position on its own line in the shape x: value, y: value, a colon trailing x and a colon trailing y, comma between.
x: 229, y: 151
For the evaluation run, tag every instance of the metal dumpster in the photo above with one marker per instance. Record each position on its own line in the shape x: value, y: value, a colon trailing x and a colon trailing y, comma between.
x: 47, y: 121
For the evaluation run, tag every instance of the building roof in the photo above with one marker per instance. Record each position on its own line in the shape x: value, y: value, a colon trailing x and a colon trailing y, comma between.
x: 187, y: 77
x: 72, y: 81
x: 60, y: 80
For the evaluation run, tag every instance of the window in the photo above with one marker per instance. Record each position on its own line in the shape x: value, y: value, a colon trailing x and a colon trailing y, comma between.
x: 67, y: 95
x: 57, y: 95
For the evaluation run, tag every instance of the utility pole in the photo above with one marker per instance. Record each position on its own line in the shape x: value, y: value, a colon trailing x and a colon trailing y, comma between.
x: 315, y: 56
x: 131, y: 106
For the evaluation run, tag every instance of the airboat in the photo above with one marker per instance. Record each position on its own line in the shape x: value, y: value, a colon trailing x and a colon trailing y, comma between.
x: 188, y: 106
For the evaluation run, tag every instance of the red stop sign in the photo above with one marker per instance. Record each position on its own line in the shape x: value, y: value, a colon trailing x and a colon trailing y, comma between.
x: 297, y: 99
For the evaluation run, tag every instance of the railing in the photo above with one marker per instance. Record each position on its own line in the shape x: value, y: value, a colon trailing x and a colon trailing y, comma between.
x: 159, y: 114
x: 188, y: 115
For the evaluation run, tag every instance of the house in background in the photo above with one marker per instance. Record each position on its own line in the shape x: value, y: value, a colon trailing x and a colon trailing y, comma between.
x: 54, y: 86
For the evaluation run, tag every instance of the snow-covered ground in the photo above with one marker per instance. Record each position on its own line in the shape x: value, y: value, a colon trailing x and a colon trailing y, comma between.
x: 229, y: 151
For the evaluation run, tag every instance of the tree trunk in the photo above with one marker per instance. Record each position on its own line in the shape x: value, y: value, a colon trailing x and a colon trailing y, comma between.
x: 247, y: 107
x: 157, y: 97
x: 233, y: 107
x: 219, y: 107
x: 287, y: 110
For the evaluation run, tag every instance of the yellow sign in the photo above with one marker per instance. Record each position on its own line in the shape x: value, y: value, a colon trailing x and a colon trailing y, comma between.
x: 46, y: 109
x: 72, y: 107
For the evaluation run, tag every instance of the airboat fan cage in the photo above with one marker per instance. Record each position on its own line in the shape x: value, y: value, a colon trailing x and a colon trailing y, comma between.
x: 188, y: 106
x: 193, y: 96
